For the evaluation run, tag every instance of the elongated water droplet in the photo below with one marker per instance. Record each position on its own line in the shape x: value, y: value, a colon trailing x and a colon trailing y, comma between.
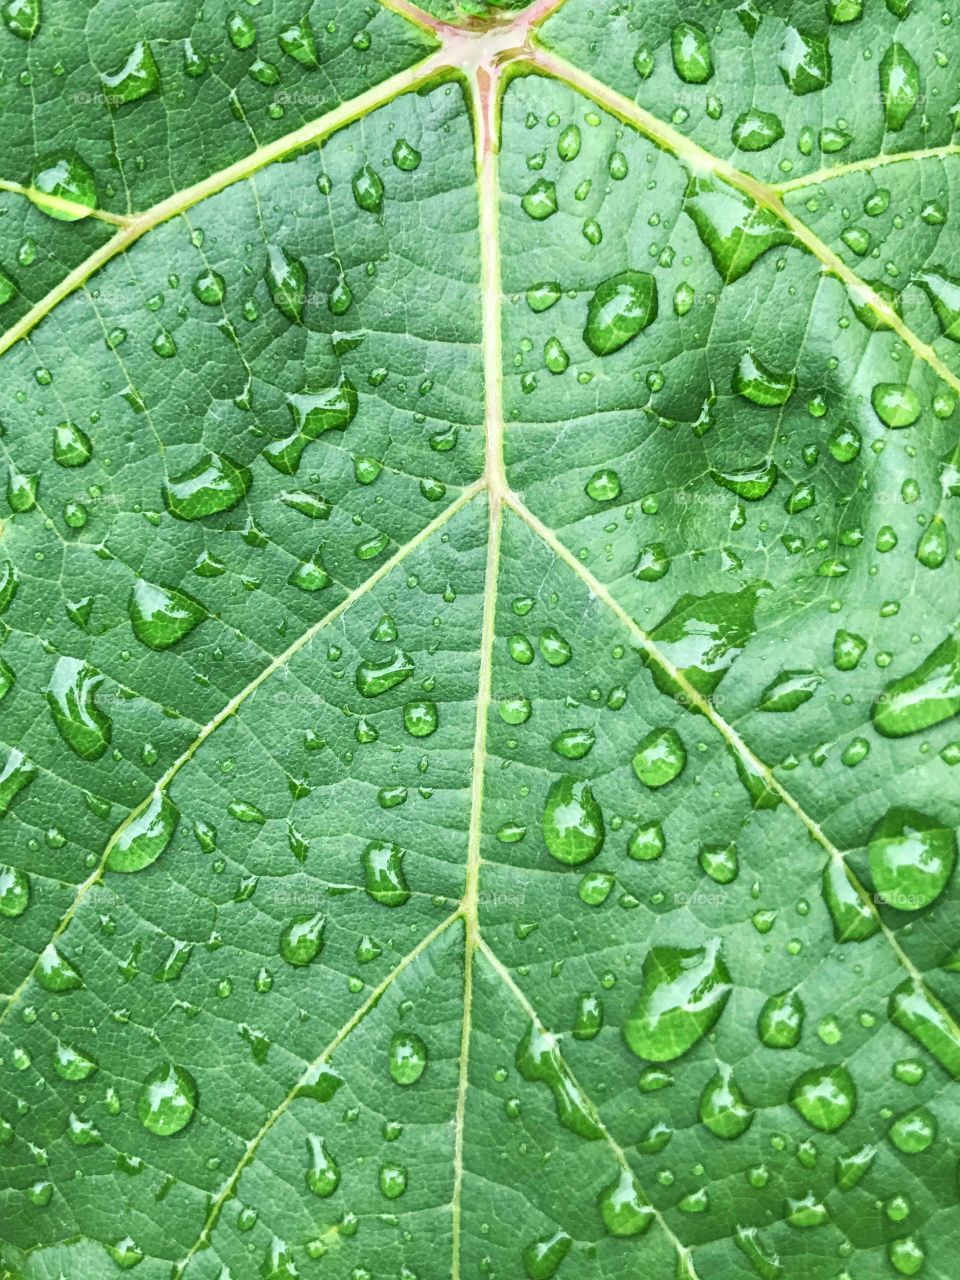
x: 755, y: 382
x: 853, y: 920
x: 764, y: 1262
x: 538, y: 1059
x: 368, y: 189
x: 160, y: 616
x: 14, y: 891
x: 212, y: 485
x: 323, y: 1175
x: 752, y: 483
x: 542, y: 1258
x: 167, y: 1100
x: 383, y: 872
x: 702, y: 636
x: 573, y: 828
x: 682, y: 994
x: 943, y: 291
x: 138, y: 76
x: 919, y: 1013
x: 911, y: 858
x: 928, y: 695
x: 374, y: 678
x: 146, y: 837
x: 789, y: 690
x: 621, y: 307
x: 287, y: 282
x: 302, y: 940
x: 851, y: 1168
x: 17, y: 774
x: 899, y: 85
x: 70, y: 695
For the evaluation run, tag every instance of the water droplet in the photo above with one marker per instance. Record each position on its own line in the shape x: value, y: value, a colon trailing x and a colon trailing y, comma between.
x: 723, y: 1108
x: 899, y: 85
x: 789, y: 690
x: 573, y: 829
x: 137, y: 77
x: 383, y: 872
x: 781, y: 1020
x: 406, y: 157
x: 14, y: 891
x: 928, y: 695
x: 407, y: 1058
x: 299, y: 42
x: 542, y: 1258
x: 735, y: 230
x: 71, y: 446
x: 302, y: 940
x: 752, y: 483
x: 624, y: 1208
x: 22, y: 17
x: 853, y: 920
x: 538, y: 1059
x: 911, y: 858
x: 209, y: 288
x: 913, y: 1132
x: 826, y: 1097
x: 691, y: 53
x: 167, y: 1100
x: 368, y: 189
x: 421, y: 719
x: 375, y: 678
x: 895, y: 404
x: 160, y: 616
x: 682, y: 994
x: 804, y: 61
x: 621, y: 307
x: 323, y: 1175
x: 660, y: 757
x: 921, y: 1015
x: 756, y: 130
x: 287, y: 282
x: 71, y: 1064
x: 63, y: 187
x: 755, y: 382
x: 143, y: 840
x: 55, y: 973
x: 540, y: 201
x: 17, y: 774
x: 212, y: 485
x: 70, y: 695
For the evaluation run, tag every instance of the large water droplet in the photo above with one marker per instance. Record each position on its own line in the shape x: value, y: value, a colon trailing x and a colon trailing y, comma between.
x: 853, y: 919
x: 302, y: 940
x: 212, y: 485
x: 323, y: 1175
x: 926, y: 696
x: 723, y: 1108
x: 407, y: 1058
x: 682, y: 994
x: 167, y: 1100
x: 899, y: 85
x: 70, y: 694
x: 573, y: 829
x: 56, y: 973
x: 826, y: 1097
x: 781, y: 1020
x: 911, y: 858
x: 137, y: 77
x: 383, y: 873
x: 145, y: 838
x: 804, y: 61
x: 691, y: 53
x: 22, y: 17
x: 287, y: 282
x: 755, y: 382
x: 161, y: 616
x: 374, y: 678
x: 621, y: 307
x: 625, y: 1210
x: 542, y: 1258
x: 17, y: 774
x: 63, y: 187
x: 735, y: 229
x: 701, y: 637
x: 659, y: 758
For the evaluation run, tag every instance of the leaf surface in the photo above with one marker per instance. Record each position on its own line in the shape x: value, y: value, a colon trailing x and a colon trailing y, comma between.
x: 479, y: 666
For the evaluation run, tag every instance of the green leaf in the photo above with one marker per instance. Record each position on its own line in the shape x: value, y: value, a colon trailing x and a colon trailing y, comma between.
x: 478, y: 654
